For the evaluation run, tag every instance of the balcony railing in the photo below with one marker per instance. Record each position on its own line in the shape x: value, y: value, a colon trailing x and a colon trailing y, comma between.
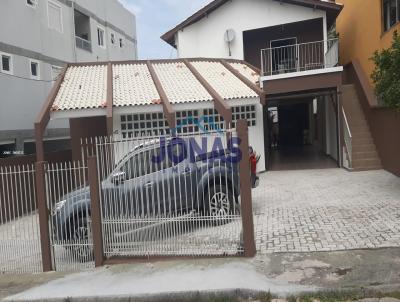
x: 83, y: 44
x: 300, y: 57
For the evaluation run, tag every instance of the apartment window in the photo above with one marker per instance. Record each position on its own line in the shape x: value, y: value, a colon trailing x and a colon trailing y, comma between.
x: 112, y: 38
x: 121, y: 43
x: 34, y: 66
x: 6, y: 63
x: 100, y: 37
x: 391, y: 13
x: 31, y: 3
x: 55, y: 72
x: 55, y: 16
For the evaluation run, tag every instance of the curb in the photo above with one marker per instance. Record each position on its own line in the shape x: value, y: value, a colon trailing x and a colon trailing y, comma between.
x: 206, y: 296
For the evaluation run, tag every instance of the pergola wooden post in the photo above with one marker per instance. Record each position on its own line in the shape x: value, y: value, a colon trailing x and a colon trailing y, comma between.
x: 169, y: 111
x: 44, y: 116
x: 219, y: 103
x: 109, y: 101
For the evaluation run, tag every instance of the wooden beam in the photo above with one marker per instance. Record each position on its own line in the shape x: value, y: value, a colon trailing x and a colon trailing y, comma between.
x: 44, y: 115
x: 169, y: 111
x: 109, y: 102
x: 219, y: 103
x: 261, y: 93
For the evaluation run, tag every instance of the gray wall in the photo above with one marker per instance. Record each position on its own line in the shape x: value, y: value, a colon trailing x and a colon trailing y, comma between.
x: 25, y: 34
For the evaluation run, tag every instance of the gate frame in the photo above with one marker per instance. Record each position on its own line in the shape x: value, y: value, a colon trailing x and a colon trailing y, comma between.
x: 242, y: 130
x: 43, y: 211
x: 97, y: 230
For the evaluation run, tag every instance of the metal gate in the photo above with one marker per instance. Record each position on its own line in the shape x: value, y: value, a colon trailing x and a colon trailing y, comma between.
x: 68, y: 201
x: 170, y: 196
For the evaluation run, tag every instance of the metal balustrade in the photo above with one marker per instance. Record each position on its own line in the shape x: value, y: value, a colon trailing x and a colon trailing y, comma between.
x: 348, y: 141
x: 83, y: 44
x: 300, y: 57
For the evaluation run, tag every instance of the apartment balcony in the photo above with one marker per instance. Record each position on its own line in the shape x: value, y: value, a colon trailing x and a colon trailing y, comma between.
x: 83, y: 44
x: 300, y: 59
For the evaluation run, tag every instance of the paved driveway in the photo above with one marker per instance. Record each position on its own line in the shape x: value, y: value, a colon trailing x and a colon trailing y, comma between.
x: 326, y: 210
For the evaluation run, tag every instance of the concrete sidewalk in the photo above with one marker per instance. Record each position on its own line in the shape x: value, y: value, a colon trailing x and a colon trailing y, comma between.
x: 282, y: 274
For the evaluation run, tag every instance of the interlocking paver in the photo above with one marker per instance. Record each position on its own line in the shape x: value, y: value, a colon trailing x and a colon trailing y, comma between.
x: 326, y: 210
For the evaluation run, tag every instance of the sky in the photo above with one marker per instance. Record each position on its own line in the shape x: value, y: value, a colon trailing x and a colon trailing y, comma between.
x: 154, y: 18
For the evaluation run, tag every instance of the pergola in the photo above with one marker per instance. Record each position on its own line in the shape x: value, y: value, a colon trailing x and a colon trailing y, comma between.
x: 96, y: 89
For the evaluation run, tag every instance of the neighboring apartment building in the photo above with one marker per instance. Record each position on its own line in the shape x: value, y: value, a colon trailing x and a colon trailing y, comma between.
x: 37, y: 37
x: 364, y: 27
x: 290, y: 42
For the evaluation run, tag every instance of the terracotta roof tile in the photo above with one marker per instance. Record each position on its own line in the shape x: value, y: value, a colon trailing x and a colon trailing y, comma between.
x: 83, y: 87
x: 133, y: 85
x: 180, y: 84
x: 222, y: 80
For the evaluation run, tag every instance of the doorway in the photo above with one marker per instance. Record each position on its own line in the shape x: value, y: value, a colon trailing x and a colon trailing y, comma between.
x: 302, y: 134
x: 284, y: 54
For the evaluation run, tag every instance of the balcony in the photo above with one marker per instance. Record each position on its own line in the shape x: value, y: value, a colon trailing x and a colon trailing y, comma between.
x: 83, y: 44
x: 285, y: 61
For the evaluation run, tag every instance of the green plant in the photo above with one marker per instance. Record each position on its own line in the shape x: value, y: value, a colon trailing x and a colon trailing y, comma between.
x: 265, y: 297
x: 386, y: 75
x: 292, y: 299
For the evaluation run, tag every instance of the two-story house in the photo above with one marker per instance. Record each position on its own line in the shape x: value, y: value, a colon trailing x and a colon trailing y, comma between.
x: 37, y: 37
x: 293, y: 43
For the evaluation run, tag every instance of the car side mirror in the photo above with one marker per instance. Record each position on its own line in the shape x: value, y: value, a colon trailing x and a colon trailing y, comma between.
x: 118, y: 178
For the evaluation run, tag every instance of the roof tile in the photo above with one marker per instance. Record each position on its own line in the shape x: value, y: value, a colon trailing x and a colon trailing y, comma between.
x: 180, y: 84
x: 222, y: 80
x: 83, y: 87
x: 133, y: 85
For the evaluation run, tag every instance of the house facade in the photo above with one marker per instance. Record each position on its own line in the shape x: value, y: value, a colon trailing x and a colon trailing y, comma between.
x: 34, y: 49
x: 293, y: 44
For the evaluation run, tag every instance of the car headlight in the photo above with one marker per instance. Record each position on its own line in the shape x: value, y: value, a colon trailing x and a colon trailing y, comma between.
x: 58, y: 206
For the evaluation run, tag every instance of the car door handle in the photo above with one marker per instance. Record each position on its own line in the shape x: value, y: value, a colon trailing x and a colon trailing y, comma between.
x: 149, y: 184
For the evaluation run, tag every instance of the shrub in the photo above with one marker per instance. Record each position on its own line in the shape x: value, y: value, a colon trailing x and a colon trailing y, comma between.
x: 386, y: 75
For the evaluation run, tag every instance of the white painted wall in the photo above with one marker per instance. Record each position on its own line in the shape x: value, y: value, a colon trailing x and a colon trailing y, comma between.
x: 205, y: 38
x: 256, y: 133
x: 331, y: 129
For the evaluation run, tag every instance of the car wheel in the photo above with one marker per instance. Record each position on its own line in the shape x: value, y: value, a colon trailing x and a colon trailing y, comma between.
x: 221, y: 202
x: 81, y: 248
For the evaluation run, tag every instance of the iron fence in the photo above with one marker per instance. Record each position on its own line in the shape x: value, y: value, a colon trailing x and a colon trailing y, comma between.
x: 19, y: 223
x: 165, y: 196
